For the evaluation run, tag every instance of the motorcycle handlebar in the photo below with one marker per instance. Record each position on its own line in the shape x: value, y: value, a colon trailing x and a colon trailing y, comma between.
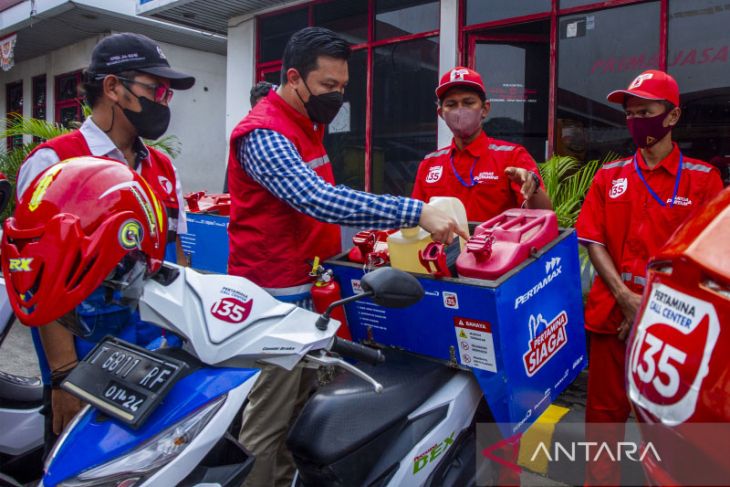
x: 346, y: 348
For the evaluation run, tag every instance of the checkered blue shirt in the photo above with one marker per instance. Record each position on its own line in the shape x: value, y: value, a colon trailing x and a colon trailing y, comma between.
x: 273, y: 162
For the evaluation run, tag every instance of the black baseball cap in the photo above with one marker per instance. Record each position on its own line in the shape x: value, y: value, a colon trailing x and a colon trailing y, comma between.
x: 134, y: 52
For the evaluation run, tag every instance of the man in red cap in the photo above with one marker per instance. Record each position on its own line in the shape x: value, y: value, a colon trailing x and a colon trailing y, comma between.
x: 486, y: 174
x: 631, y: 209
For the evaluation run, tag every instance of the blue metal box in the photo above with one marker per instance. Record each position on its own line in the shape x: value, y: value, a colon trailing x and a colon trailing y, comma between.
x: 521, y: 335
x: 206, y: 243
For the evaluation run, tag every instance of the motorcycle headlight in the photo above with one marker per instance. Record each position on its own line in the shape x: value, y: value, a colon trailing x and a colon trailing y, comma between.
x: 135, y: 467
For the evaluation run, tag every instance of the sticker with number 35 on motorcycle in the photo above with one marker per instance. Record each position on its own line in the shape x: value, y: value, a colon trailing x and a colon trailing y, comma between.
x: 669, y: 357
x: 232, y: 310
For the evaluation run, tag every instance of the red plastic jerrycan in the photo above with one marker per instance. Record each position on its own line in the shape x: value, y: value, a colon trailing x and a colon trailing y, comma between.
x: 370, y: 248
x: 502, y: 243
x: 202, y: 202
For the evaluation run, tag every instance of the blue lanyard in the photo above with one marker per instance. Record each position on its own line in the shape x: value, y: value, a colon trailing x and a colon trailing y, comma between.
x: 471, y: 173
x: 676, y: 182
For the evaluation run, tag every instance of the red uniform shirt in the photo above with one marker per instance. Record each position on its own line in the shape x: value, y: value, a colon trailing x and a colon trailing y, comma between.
x: 485, y: 159
x: 620, y: 213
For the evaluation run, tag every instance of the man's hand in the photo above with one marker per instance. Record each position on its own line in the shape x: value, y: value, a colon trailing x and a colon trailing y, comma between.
x: 523, y: 177
x: 629, y: 303
x: 440, y: 225
x: 65, y: 406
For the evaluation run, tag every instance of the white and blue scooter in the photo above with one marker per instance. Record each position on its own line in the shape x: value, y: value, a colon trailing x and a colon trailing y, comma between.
x: 21, y: 421
x: 21, y: 400
x: 165, y: 417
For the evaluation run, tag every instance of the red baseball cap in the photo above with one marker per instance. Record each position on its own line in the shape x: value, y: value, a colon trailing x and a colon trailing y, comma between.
x: 460, y: 76
x: 650, y: 85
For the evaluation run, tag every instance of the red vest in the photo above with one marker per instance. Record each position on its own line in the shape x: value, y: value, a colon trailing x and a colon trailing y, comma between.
x: 271, y: 243
x: 157, y: 171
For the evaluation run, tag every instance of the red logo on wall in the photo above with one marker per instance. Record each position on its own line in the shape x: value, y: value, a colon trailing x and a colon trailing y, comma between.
x: 545, y: 341
x: 231, y: 310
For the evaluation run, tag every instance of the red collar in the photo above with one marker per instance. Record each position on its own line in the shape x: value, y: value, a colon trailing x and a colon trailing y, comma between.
x: 669, y: 163
x: 303, y: 121
x: 476, y: 147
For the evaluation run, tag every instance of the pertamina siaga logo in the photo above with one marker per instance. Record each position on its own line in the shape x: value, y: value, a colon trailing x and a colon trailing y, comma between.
x: 232, y: 310
x: 669, y: 357
x: 545, y: 341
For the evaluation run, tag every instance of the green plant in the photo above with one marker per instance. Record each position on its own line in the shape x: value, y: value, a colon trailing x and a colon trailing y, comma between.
x: 567, y: 181
x: 41, y: 130
x: 10, y: 160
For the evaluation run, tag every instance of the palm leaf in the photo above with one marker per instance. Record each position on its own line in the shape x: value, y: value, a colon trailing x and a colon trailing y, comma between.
x: 41, y: 129
x: 9, y: 164
x: 169, y: 144
x: 567, y: 182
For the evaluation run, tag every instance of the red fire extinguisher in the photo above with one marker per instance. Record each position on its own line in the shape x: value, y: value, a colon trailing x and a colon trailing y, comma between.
x: 326, y: 291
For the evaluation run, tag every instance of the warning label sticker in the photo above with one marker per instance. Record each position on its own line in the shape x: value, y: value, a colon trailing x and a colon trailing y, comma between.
x: 476, y: 345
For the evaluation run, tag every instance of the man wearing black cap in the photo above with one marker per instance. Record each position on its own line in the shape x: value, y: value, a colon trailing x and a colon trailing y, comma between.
x: 128, y: 84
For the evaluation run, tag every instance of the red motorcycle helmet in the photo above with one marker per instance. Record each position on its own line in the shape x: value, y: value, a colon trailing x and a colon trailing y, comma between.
x: 73, y: 226
x: 678, y: 378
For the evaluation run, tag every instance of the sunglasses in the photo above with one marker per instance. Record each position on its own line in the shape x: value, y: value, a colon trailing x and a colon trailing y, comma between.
x: 163, y: 94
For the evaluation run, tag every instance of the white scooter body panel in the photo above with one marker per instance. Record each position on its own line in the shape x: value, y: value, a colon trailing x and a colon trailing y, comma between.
x: 462, y: 394
x: 230, y: 319
x: 6, y: 311
x: 22, y: 430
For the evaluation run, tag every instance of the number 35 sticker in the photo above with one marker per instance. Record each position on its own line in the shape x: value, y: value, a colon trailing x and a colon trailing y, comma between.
x: 231, y: 310
x: 669, y: 358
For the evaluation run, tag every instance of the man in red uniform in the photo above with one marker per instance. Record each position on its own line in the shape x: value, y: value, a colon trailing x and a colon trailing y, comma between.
x: 488, y: 175
x: 128, y: 84
x: 632, y: 208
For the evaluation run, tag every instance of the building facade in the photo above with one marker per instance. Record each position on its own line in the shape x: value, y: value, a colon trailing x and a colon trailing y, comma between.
x: 54, y: 43
x: 548, y: 65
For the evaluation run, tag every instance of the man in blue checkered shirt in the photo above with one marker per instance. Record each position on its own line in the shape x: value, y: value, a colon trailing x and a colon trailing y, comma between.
x: 286, y: 210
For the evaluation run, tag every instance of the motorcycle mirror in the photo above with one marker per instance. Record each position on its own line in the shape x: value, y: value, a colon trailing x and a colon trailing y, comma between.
x: 386, y: 286
x: 391, y: 287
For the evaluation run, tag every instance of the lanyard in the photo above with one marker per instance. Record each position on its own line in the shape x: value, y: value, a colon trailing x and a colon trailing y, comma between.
x: 676, y: 182
x: 471, y: 172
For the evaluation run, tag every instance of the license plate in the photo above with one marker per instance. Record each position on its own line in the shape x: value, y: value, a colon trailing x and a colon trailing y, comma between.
x: 123, y: 380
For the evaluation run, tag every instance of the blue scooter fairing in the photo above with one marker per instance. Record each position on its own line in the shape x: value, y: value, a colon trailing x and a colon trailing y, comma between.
x: 96, y: 440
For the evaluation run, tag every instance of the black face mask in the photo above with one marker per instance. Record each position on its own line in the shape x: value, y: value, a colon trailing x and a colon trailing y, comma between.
x: 152, y: 121
x: 322, y: 108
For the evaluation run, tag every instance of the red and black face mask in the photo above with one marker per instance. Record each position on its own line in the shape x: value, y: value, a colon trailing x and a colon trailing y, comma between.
x: 649, y: 130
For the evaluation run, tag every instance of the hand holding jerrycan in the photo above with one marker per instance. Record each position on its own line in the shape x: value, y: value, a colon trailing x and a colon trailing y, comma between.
x: 404, y: 245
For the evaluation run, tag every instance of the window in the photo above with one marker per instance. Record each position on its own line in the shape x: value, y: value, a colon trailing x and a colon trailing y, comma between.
x: 275, y: 31
x: 596, y: 55
x: 14, y: 108
x: 698, y: 59
x: 349, y: 19
x: 398, y: 18
x: 481, y: 11
x: 404, y: 117
x: 68, y: 101
x: 516, y: 72
x: 345, y: 137
x: 575, y: 3
x: 401, y: 39
x: 38, y: 95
